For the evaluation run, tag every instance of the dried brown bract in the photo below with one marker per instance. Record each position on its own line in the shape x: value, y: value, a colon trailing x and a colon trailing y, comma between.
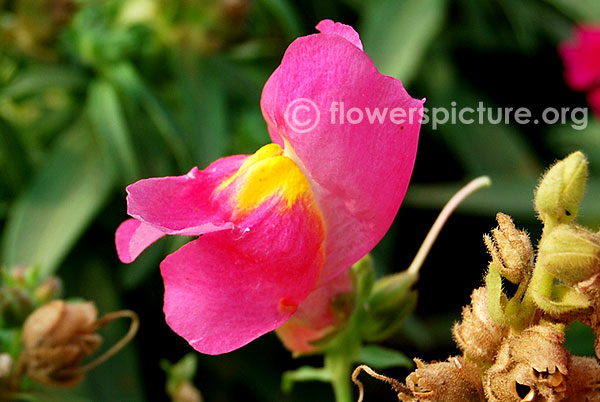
x: 478, y: 336
x: 510, y: 249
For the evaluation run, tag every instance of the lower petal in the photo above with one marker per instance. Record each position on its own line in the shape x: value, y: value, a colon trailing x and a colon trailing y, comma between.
x: 227, y: 288
x: 133, y: 237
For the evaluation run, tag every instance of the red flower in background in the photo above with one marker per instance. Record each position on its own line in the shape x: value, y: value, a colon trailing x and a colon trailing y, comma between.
x: 582, y: 63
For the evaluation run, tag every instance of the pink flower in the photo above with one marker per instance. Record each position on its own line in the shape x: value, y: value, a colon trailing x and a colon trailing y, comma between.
x: 276, y: 225
x: 582, y: 63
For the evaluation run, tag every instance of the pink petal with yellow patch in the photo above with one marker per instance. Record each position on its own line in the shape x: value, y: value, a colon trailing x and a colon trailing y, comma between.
x: 184, y: 205
x: 582, y: 58
x: 359, y: 168
x: 227, y: 288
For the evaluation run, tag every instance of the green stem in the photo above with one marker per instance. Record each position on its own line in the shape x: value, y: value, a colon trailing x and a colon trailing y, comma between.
x: 340, y: 358
x: 339, y: 367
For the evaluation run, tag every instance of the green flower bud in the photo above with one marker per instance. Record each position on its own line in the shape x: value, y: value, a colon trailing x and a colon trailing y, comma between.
x: 391, y: 300
x: 560, y: 191
x: 570, y: 253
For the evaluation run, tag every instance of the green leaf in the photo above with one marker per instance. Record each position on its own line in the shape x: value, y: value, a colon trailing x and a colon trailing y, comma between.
x: 578, y: 10
x: 39, y: 78
x: 381, y: 358
x: 396, y: 34
x: 133, y: 86
x: 14, y: 159
x: 204, y: 109
x: 304, y: 373
x: 106, y: 116
x: 286, y: 15
x: 58, y: 205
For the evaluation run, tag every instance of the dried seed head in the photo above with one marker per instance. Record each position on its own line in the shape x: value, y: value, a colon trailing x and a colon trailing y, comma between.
x: 570, y: 253
x: 591, y: 289
x: 510, y: 249
x: 456, y: 379
x: 531, y: 365
x: 478, y: 335
x: 584, y: 380
x: 56, y: 338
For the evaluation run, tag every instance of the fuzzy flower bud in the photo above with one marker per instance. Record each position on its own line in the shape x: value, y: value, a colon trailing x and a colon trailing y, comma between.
x: 510, y: 249
x: 530, y: 366
x: 456, y: 379
x: 478, y: 336
x: 561, y: 189
x: 570, y: 253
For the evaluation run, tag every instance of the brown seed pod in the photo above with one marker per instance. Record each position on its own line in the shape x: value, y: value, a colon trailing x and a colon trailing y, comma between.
x: 58, y: 336
x: 531, y: 366
x: 478, y: 335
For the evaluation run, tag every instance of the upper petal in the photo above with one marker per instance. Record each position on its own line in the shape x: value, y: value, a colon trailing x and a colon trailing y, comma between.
x: 359, y: 169
x: 227, y: 288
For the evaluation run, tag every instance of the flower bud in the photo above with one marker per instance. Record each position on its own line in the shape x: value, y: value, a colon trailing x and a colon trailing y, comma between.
x: 560, y: 191
x: 456, y: 379
x: 56, y: 338
x: 391, y: 300
x: 530, y: 366
x: 321, y: 315
x: 510, y: 249
x: 570, y: 253
x: 478, y: 336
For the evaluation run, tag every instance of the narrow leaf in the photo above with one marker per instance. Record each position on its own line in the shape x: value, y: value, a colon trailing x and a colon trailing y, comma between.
x: 64, y: 196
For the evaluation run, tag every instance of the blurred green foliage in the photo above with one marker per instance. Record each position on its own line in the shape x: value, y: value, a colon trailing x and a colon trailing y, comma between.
x: 97, y: 94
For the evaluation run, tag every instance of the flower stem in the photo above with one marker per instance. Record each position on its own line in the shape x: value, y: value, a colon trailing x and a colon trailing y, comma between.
x: 341, y: 356
x: 460, y: 196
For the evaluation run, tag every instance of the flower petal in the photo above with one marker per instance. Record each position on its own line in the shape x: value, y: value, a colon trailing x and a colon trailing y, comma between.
x: 184, y: 204
x: 582, y: 58
x: 345, y: 31
x: 133, y: 237
x: 594, y: 100
x: 321, y: 314
x: 227, y: 288
x: 359, y: 170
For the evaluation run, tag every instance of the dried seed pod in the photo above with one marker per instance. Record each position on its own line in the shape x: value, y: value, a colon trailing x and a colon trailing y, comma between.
x: 455, y: 379
x: 591, y: 289
x: 530, y: 366
x: 510, y: 249
x: 478, y: 335
x: 59, y: 335
x: 584, y: 380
